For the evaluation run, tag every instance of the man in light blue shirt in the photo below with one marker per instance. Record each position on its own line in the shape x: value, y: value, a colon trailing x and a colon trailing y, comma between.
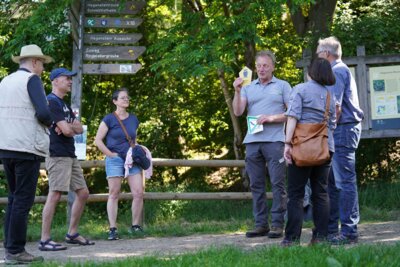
x: 342, y: 187
x: 266, y: 98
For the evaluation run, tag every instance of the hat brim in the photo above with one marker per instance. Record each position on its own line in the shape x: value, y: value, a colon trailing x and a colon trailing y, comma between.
x: 46, y: 59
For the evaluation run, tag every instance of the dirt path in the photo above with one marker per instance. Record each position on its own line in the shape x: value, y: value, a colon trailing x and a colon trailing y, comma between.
x: 387, y: 232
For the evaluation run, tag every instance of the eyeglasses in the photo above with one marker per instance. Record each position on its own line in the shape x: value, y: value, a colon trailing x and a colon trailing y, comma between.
x: 125, y: 98
x: 322, y: 51
x: 38, y: 59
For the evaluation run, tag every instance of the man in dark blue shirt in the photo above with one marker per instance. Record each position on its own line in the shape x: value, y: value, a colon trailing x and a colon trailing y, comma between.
x: 64, y: 170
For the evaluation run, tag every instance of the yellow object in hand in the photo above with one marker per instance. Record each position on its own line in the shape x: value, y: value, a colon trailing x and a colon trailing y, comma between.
x: 245, y: 74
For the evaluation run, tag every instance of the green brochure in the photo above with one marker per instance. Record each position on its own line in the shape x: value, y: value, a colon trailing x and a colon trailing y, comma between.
x: 252, y: 125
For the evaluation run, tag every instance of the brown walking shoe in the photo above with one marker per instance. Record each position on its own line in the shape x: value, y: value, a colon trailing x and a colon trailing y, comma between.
x: 258, y: 231
x: 21, y: 258
x: 275, y: 232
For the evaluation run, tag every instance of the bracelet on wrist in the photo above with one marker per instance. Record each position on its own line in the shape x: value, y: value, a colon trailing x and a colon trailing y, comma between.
x: 288, y: 143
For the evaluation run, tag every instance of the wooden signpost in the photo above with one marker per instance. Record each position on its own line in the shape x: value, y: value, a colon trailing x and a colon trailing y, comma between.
x: 104, y: 39
x: 104, y: 51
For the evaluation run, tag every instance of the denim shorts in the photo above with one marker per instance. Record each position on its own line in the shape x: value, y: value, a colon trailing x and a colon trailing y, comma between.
x: 115, y: 167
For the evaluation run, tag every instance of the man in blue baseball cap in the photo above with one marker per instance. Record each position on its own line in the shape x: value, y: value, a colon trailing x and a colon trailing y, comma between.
x: 61, y: 72
x: 64, y: 171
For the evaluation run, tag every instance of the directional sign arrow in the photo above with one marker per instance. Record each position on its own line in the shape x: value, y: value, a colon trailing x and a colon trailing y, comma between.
x: 111, y: 68
x: 103, y: 38
x: 112, y: 22
x: 112, y: 53
x: 101, y: 8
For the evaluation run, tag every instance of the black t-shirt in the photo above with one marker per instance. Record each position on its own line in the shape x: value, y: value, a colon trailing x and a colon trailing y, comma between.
x: 60, y: 145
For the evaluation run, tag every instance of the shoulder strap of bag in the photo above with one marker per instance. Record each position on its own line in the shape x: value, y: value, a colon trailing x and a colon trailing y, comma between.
x: 124, y: 129
x: 328, y: 101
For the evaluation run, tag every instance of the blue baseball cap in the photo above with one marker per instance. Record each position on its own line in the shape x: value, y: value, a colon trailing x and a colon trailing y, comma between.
x: 61, y: 72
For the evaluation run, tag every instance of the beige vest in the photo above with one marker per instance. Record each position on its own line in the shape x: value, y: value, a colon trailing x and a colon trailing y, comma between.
x: 20, y: 130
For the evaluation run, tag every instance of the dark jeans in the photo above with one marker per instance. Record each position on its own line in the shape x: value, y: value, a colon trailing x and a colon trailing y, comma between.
x: 259, y: 156
x: 22, y: 176
x: 343, y: 192
x: 297, y: 180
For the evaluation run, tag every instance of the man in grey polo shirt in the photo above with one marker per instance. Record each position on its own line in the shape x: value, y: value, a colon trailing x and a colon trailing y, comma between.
x: 267, y: 98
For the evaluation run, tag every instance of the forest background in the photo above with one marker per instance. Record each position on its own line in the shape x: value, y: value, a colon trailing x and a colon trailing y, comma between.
x: 195, y: 48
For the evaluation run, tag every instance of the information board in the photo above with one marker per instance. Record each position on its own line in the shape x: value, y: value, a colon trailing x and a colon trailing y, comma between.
x: 385, y: 96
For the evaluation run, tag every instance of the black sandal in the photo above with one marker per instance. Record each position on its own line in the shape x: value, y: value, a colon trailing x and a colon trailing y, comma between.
x: 72, y: 239
x: 48, y: 246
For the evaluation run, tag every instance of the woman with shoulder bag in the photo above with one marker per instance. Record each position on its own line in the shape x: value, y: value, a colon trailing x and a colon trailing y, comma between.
x: 310, y: 107
x: 115, y: 150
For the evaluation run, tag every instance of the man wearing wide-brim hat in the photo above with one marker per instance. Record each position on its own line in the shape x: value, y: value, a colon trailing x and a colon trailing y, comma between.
x: 24, y: 141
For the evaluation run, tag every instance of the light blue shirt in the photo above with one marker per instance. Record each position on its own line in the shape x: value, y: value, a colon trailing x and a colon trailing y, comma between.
x: 345, y: 90
x: 308, y: 104
x: 268, y: 99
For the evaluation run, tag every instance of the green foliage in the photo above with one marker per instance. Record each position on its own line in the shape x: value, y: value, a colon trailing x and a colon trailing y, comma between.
x: 375, y: 24
x: 378, y: 160
x: 3, y: 184
x: 36, y: 22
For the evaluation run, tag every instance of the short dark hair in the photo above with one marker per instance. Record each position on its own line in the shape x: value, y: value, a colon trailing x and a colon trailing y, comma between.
x: 320, y: 71
x: 116, y: 93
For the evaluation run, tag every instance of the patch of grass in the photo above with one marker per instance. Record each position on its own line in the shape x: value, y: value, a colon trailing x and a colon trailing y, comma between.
x: 316, y: 256
x: 384, y: 196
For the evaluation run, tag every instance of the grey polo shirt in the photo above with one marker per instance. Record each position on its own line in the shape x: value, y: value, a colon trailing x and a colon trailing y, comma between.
x: 267, y: 99
x: 308, y: 103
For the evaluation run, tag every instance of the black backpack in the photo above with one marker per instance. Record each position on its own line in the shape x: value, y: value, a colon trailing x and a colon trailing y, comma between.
x: 139, y: 157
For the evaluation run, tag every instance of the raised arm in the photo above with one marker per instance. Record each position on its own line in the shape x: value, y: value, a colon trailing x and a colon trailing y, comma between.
x: 239, y: 103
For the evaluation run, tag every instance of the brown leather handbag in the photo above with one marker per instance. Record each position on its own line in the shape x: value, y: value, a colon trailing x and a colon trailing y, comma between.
x: 310, y: 141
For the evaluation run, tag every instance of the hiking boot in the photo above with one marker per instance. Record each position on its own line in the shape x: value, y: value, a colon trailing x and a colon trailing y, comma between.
x: 340, y: 239
x: 258, y: 231
x: 21, y: 258
x: 113, y: 234
x: 136, y: 229
x: 275, y: 232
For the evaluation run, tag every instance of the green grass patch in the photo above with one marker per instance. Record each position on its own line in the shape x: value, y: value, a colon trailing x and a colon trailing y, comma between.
x: 317, y: 256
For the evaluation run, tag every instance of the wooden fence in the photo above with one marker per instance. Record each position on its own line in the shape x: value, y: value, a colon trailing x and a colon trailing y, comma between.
x: 164, y: 195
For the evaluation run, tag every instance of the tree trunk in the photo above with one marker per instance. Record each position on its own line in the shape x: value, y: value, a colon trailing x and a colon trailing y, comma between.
x: 318, y: 20
x: 237, y: 139
x: 237, y: 131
